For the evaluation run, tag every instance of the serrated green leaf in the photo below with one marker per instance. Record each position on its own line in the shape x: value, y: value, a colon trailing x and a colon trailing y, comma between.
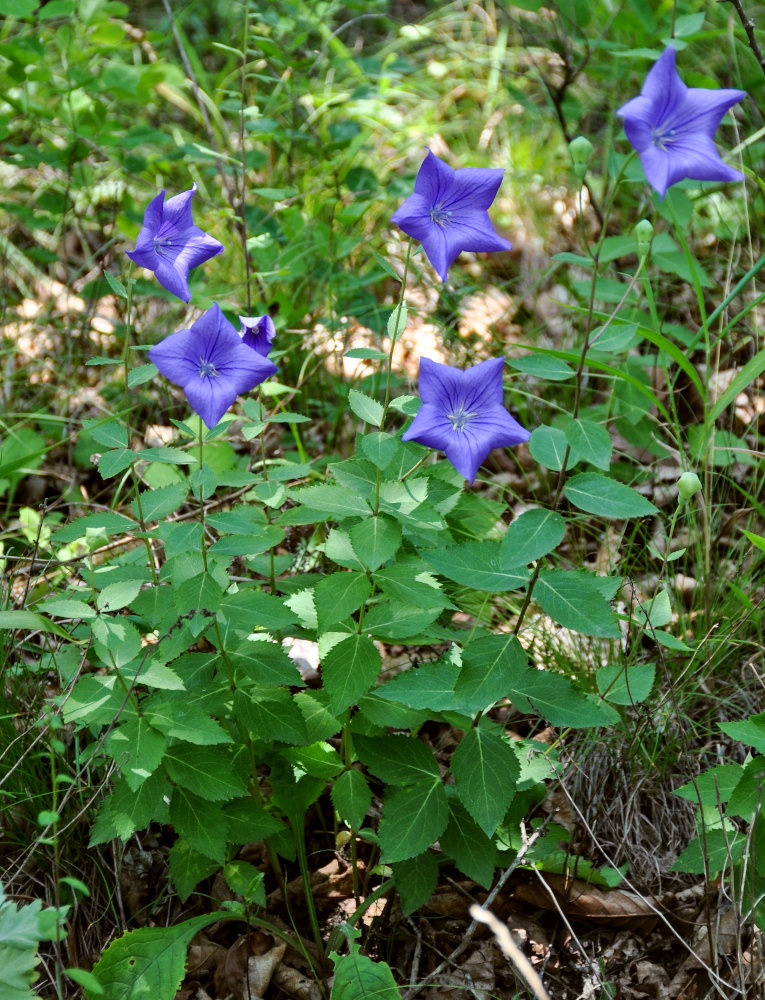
x: 198, y: 593
x: 188, y: 867
x: 556, y: 699
x: 628, y: 684
x: 143, y: 373
x: 485, y: 773
x: 359, y: 978
x: 367, y: 409
x: 398, y: 760
x: 350, y: 669
x: 337, y: 596
x: 111, y: 434
x: 136, y: 749
x: 111, y: 463
x: 202, y: 824
x: 157, y: 504
x: 416, y: 879
x: 715, y: 786
x: 116, y: 640
x: 375, y: 540
x: 473, y: 852
x: 489, y: 667
x: 750, y: 732
x: 381, y: 448
x: 591, y: 442
x: 430, y: 686
x: 477, y: 565
x: 576, y: 603
x: 320, y: 760
x: 413, y: 817
x: 596, y: 494
x: 114, y: 283
x: 206, y: 770
x: 352, y: 797
x: 250, y: 610
x: 334, y: 501
x: 270, y: 714
x: 542, y: 365
x: 148, y: 963
x: 29, y: 621
x: 185, y: 721
x: 247, y: 881
x: 394, y: 621
x: 265, y: 663
x: 532, y: 535
x: 397, y: 322
x: 116, y: 596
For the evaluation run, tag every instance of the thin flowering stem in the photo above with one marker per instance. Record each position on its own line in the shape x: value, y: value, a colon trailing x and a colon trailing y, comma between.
x: 398, y: 311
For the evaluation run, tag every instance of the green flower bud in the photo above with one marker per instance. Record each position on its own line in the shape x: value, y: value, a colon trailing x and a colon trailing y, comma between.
x: 643, y: 233
x: 688, y: 484
x: 580, y: 150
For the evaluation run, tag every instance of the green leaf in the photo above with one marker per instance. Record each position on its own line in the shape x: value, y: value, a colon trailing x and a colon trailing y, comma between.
x: 376, y: 540
x: 751, y: 731
x: 591, y: 442
x: 198, y: 593
x: 111, y: 463
x: 473, y: 852
x: 393, y: 621
x: 136, y: 749
x: 27, y: 621
x: 575, y: 602
x: 247, y: 821
x: 548, y: 447
x: 352, y: 797
x: 397, y: 322
x: 715, y: 786
x: 148, y: 963
x: 206, y: 770
x: 359, y: 978
x: 368, y: 409
x: 188, y: 867
x: 185, y: 722
x: 246, y: 880
x: 628, y: 684
x: 409, y: 582
x: 157, y: 504
x: 116, y: 640
x: 413, y: 817
x: 168, y: 456
x: 543, y: 366
x: 250, y: 610
x: 656, y: 612
x: 350, y: 669
x: 489, y: 667
x: 137, y: 376
x: 264, y: 663
x: 430, y: 686
x: 398, y: 760
x: 269, y: 713
x: 380, y: 448
x: 485, y: 773
x: 334, y: 501
x: 530, y: 536
x: 477, y: 565
x: 416, y: 879
x: 719, y: 850
x: 201, y: 823
x: 596, y: 494
x: 320, y: 760
x: 366, y: 354
x: 746, y: 797
x: 116, y: 596
x: 111, y: 433
x: 337, y: 596
x: 107, y: 522
x: 556, y: 699
x: 114, y: 283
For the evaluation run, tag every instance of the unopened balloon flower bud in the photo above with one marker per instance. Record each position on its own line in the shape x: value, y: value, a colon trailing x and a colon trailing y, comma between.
x: 688, y: 484
x: 643, y: 233
x: 581, y: 151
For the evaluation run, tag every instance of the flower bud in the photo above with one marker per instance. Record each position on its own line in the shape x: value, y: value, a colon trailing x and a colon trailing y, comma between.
x: 643, y: 233
x: 688, y: 484
x: 581, y: 151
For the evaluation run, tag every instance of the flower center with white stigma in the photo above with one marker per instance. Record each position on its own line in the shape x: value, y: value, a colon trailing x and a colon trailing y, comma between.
x: 207, y: 369
x: 440, y: 215
x: 459, y: 418
x: 663, y: 137
x: 161, y: 243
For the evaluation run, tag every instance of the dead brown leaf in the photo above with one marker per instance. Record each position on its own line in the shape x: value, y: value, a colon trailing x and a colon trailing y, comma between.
x: 583, y: 901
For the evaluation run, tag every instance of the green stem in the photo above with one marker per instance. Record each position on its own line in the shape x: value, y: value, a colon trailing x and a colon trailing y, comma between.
x: 393, y: 339
x: 298, y: 829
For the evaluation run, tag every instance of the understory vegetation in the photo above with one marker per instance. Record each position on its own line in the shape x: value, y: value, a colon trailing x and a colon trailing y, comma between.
x: 382, y: 550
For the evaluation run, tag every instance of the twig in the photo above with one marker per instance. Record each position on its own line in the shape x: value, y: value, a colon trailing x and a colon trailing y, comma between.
x: 511, y: 950
x: 465, y: 942
x: 748, y: 25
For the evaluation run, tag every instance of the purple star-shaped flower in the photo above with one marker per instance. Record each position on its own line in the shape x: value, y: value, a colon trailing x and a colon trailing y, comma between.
x: 462, y: 413
x: 258, y: 333
x: 448, y: 211
x: 672, y: 127
x: 211, y: 363
x: 169, y: 244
